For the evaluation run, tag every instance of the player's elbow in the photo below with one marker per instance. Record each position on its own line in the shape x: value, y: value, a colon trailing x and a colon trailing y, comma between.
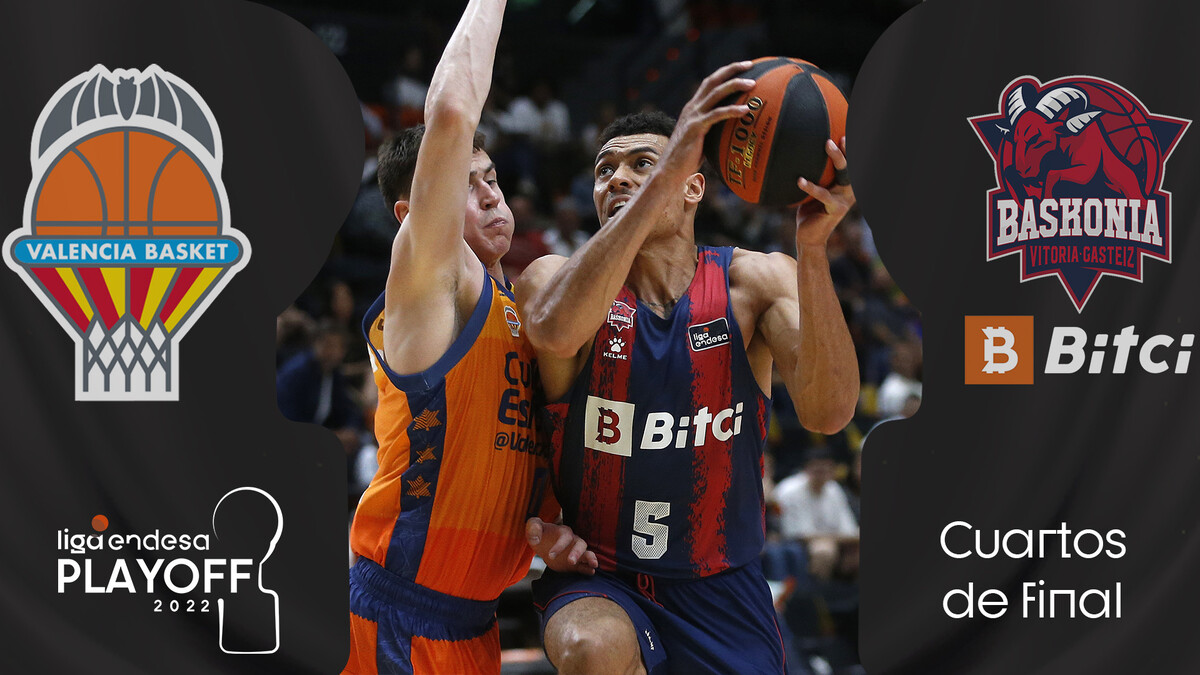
x: 830, y: 418
x: 449, y: 112
x: 827, y: 425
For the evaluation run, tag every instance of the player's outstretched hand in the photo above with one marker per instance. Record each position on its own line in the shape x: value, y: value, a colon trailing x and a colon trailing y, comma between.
x: 816, y: 219
x: 559, y: 546
x: 685, y: 150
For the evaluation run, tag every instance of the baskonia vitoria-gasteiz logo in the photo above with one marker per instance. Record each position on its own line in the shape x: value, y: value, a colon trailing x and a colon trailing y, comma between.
x: 1079, y: 174
x: 126, y: 236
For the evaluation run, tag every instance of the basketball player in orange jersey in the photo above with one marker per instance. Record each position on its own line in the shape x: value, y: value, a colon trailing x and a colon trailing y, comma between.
x: 656, y: 356
x: 441, y: 530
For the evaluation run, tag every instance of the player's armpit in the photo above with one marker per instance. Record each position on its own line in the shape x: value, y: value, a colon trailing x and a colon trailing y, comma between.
x: 424, y: 315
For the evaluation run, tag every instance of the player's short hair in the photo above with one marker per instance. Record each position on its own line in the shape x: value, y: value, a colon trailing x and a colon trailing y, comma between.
x: 398, y: 162
x: 653, y: 122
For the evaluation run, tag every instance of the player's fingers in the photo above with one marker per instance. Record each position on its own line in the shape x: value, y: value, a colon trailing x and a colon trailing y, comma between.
x: 587, y: 564
x: 723, y: 73
x: 533, y: 531
x: 815, y: 191
x: 840, y: 199
x: 835, y: 153
x: 726, y: 89
x: 577, y: 551
x: 565, y: 537
x: 723, y: 113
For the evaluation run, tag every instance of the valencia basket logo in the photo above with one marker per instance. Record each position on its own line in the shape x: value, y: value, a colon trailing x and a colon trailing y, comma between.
x: 126, y: 236
x: 1079, y: 174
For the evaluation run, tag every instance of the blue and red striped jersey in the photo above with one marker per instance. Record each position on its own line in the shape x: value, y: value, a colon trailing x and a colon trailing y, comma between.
x: 657, y: 447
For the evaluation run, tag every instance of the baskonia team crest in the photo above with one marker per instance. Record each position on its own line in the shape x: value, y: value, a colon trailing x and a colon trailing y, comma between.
x: 126, y: 236
x: 1079, y: 172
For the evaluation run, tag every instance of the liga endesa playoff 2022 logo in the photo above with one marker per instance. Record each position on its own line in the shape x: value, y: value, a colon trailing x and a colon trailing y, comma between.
x: 1079, y: 172
x: 126, y: 236
x: 218, y: 572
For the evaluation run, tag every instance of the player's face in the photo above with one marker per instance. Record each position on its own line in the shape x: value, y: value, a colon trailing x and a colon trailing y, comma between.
x: 622, y: 166
x: 488, y: 228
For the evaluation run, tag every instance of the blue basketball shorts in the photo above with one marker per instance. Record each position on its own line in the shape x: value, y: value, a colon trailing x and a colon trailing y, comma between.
x: 400, y: 628
x: 715, y: 625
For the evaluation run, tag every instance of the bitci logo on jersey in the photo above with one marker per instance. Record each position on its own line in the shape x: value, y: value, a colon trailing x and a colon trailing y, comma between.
x: 1079, y: 172
x: 608, y: 426
x: 998, y: 350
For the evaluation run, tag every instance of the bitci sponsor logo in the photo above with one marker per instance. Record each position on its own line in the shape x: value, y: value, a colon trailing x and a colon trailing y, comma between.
x: 609, y: 426
x: 1001, y: 350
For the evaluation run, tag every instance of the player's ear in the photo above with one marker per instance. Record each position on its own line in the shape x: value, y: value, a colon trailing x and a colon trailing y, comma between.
x: 400, y: 209
x: 693, y: 189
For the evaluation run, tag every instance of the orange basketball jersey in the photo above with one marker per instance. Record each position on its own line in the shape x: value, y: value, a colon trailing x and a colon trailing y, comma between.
x: 459, y: 468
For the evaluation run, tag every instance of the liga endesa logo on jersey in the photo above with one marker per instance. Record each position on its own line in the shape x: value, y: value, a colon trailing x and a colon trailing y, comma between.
x: 126, y: 237
x: 188, y: 572
x: 1079, y: 173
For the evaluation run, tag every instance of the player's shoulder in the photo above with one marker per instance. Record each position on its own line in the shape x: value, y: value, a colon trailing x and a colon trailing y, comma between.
x: 536, y: 275
x: 761, y: 274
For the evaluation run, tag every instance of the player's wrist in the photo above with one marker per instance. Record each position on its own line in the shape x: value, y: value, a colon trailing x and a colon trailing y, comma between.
x: 814, y: 250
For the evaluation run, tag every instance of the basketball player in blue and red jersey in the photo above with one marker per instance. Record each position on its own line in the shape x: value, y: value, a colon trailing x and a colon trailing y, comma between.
x: 441, y: 530
x: 659, y: 356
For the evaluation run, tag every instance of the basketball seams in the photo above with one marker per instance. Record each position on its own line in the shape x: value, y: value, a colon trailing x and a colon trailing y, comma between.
x: 794, y: 93
x: 154, y: 187
x: 126, y: 167
x: 801, y: 89
x: 95, y: 177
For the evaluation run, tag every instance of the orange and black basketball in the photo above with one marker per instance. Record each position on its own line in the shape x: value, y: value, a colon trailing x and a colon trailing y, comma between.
x: 794, y: 108
x: 126, y: 182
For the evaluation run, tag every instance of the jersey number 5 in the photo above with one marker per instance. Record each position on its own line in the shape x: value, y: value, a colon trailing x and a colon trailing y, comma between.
x: 653, y: 545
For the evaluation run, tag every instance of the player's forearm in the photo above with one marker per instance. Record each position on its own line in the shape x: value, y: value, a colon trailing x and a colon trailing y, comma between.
x: 453, y: 107
x: 826, y: 378
x: 463, y: 76
x: 568, y: 310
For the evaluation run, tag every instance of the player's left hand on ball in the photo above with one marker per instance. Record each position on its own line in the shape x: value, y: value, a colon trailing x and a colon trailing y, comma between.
x: 560, y: 547
x: 815, y: 219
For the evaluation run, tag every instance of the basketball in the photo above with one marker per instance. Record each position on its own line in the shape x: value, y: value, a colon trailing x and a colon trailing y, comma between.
x: 126, y: 183
x: 794, y: 108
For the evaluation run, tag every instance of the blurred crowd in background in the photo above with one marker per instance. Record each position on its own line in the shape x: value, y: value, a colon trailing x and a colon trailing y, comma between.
x: 564, y: 70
